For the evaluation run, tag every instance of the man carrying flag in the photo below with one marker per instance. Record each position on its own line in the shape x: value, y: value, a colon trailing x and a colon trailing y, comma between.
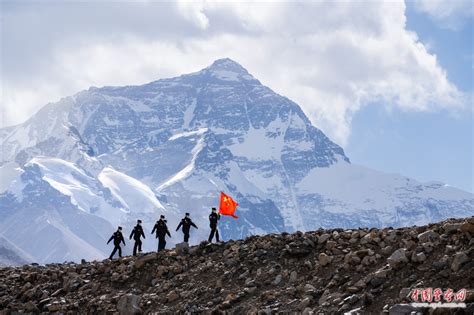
x: 227, y: 206
x: 213, y: 220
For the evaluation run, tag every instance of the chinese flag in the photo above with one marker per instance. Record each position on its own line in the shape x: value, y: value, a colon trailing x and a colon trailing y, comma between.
x: 227, y: 206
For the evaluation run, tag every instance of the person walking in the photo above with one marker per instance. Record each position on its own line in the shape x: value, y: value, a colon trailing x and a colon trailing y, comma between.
x: 214, y: 218
x: 118, y: 238
x: 161, y: 229
x: 137, y: 233
x: 186, y: 223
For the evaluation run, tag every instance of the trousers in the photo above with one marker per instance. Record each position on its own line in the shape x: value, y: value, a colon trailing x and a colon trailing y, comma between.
x: 117, y: 247
x: 214, y: 231
x: 161, y: 243
x: 138, y: 245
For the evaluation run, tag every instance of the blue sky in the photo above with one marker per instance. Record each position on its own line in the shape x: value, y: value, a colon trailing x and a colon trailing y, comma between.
x: 436, y: 145
x: 390, y: 81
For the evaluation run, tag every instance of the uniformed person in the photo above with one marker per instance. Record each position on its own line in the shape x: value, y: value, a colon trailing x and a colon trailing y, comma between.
x: 214, y: 218
x: 186, y: 223
x: 137, y: 233
x: 118, y: 238
x: 161, y: 231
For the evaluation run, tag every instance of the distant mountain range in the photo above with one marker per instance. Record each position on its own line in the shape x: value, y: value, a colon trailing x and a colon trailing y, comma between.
x: 111, y: 155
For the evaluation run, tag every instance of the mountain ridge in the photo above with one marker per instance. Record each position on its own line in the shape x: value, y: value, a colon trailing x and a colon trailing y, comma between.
x: 357, y: 271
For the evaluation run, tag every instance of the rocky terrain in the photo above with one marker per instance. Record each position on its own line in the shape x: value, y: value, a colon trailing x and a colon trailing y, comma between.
x: 329, y: 271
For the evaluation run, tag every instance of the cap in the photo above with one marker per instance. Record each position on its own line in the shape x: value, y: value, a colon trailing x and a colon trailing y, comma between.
x: 162, y: 216
x: 119, y: 227
x: 187, y: 213
x: 139, y: 221
x: 214, y: 209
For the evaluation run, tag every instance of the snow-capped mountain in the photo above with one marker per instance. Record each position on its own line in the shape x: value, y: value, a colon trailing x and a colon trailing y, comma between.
x: 111, y: 155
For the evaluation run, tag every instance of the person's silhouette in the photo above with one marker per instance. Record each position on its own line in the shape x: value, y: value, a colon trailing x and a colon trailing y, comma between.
x: 186, y: 223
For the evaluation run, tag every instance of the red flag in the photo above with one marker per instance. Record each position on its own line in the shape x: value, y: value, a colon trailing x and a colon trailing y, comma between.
x: 227, y: 206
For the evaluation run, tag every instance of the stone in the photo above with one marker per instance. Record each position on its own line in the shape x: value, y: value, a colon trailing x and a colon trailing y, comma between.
x: 469, y: 296
x: 172, y: 296
x: 387, y: 250
x: 323, y: 238
x: 459, y: 260
x: 115, y: 277
x: 376, y: 282
x: 143, y: 260
x: 309, y: 288
x: 54, y: 307
x: 441, y: 264
x: 129, y: 304
x: 293, y: 276
x: 304, y: 303
x: 451, y: 227
x: 351, y: 299
x: 404, y: 293
x: 428, y: 236
x: 324, y: 259
x: 298, y: 249
x: 404, y: 309
x: 397, y: 258
x: 362, y: 253
x: 467, y: 227
x: 30, y: 307
x: 330, y: 245
x: 353, y: 289
x: 418, y: 257
x: 360, y: 284
x: 182, y: 248
x: 278, y: 280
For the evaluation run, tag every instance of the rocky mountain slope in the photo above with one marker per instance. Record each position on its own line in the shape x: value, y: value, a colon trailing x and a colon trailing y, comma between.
x: 109, y: 156
x: 333, y: 271
x: 10, y: 255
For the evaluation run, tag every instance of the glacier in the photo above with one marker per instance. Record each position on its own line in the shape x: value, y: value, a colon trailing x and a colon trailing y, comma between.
x: 109, y: 156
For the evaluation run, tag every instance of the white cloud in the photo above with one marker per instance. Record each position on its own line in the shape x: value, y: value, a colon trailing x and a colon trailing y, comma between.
x: 332, y: 58
x: 449, y: 14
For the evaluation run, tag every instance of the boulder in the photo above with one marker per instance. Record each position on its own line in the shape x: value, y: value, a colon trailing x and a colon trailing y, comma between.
x: 323, y: 238
x: 451, y: 227
x: 428, y: 236
x: 172, y: 296
x: 404, y: 309
x: 418, y: 257
x: 182, y: 248
x: 467, y: 227
x: 324, y: 259
x: 398, y: 258
x: 129, y: 304
x: 459, y: 260
x: 143, y: 260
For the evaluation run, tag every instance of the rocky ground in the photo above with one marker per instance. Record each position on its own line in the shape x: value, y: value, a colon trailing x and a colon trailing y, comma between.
x: 325, y: 271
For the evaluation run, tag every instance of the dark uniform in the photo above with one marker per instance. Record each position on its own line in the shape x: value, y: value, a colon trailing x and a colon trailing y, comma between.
x: 186, y: 223
x: 161, y: 230
x: 118, y: 238
x: 137, y: 233
x: 213, y: 220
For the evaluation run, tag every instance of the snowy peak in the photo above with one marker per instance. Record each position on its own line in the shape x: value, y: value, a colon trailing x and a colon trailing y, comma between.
x: 227, y: 64
x: 228, y: 70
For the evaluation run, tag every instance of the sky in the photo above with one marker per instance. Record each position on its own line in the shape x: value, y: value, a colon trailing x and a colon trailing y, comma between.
x: 390, y: 81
